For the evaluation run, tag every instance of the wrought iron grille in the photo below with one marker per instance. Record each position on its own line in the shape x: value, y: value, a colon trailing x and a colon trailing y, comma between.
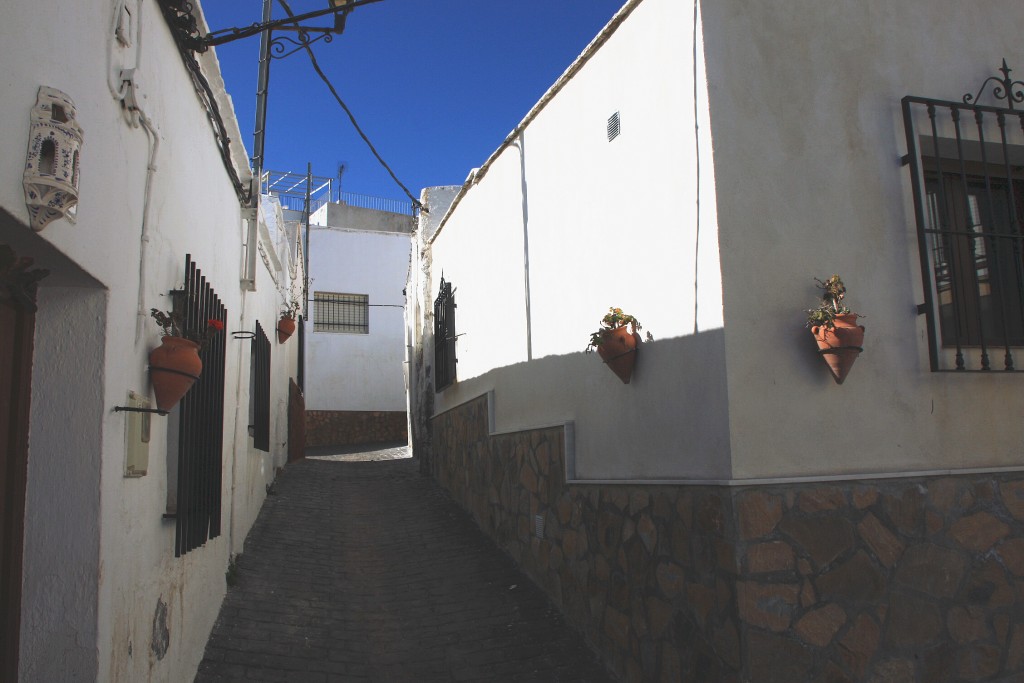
x: 614, y: 126
x: 260, y: 399
x: 334, y: 312
x: 444, y: 337
x: 967, y: 168
x: 201, y: 421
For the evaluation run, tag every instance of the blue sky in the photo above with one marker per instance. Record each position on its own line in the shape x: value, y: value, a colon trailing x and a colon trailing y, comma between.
x: 435, y: 84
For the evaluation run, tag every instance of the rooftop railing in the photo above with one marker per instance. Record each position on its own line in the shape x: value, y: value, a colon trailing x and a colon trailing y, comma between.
x: 290, y: 189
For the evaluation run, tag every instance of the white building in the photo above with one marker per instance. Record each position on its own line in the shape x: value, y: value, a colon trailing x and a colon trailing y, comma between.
x: 115, y: 570
x: 699, y: 167
x: 355, y: 333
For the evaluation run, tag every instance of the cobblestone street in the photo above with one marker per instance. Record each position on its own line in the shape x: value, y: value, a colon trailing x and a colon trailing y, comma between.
x: 361, y: 569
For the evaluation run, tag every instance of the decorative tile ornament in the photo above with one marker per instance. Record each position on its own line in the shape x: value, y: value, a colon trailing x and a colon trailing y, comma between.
x: 51, y: 170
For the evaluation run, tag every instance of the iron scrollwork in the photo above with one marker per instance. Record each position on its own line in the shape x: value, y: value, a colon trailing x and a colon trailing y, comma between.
x: 278, y: 43
x: 180, y: 15
x: 1003, y: 91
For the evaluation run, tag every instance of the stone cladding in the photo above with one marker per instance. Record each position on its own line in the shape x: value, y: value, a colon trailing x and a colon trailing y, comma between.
x: 913, y: 579
x: 352, y: 427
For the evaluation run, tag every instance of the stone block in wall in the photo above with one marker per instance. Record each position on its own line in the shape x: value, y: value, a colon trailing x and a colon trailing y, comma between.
x: 911, y: 579
x: 353, y: 428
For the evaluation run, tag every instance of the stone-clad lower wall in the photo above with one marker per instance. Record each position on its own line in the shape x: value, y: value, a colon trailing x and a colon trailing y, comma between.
x: 350, y: 428
x: 875, y: 580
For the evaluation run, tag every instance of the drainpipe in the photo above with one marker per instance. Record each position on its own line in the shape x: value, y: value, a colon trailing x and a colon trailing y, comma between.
x: 521, y: 144
x: 305, y: 283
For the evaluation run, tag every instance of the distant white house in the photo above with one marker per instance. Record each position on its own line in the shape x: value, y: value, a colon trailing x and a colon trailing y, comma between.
x: 355, y: 380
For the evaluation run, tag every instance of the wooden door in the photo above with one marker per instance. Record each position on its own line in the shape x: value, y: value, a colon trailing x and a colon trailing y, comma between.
x: 17, y: 324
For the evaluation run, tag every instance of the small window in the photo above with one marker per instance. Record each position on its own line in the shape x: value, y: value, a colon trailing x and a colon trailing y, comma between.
x: 335, y: 312
x: 966, y: 164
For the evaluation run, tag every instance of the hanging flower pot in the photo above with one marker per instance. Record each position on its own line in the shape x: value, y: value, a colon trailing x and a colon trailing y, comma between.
x: 840, y: 345
x: 285, y: 329
x: 617, y: 342
x: 834, y: 327
x: 618, y: 351
x: 174, y: 366
x: 290, y: 311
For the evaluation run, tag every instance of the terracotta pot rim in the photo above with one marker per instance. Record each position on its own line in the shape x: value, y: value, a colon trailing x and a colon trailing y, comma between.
x: 171, y: 338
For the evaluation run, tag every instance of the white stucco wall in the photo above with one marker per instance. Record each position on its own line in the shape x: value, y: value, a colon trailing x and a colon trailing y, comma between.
x: 89, y: 615
x: 350, y: 371
x: 805, y: 106
x: 801, y: 130
x: 575, y: 223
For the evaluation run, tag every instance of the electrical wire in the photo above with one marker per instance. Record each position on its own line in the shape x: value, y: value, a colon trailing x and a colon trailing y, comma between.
x: 209, y: 102
x: 316, y: 67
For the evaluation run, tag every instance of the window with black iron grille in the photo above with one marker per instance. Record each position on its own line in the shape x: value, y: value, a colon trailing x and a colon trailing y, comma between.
x: 967, y: 170
x: 334, y: 312
x: 444, y: 337
x: 259, y: 396
x: 200, y: 418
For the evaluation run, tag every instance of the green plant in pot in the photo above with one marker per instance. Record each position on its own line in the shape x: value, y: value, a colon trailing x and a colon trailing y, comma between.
x: 617, y: 342
x: 834, y: 327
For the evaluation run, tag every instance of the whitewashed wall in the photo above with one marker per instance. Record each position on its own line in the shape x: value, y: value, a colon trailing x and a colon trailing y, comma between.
x: 586, y: 223
x: 808, y: 135
x: 356, y: 372
x: 803, y: 143
x: 89, y: 604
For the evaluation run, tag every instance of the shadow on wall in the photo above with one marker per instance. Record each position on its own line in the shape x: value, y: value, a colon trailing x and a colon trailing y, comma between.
x: 670, y: 422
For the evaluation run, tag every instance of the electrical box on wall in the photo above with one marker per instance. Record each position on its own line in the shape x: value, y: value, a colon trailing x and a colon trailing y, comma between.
x: 136, y: 431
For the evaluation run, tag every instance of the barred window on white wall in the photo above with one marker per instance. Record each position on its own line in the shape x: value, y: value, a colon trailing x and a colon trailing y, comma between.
x: 336, y: 312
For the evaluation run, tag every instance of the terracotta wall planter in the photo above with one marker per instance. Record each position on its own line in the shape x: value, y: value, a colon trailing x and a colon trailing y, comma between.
x: 840, y: 345
x: 285, y: 329
x: 618, y: 350
x: 174, y: 366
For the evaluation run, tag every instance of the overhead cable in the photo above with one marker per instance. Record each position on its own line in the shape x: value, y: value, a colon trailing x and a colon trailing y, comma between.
x: 206, y: 96
x: 316, y: 67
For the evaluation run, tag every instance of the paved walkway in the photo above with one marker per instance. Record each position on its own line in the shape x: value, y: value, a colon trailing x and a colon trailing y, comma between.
x: 361, y: 569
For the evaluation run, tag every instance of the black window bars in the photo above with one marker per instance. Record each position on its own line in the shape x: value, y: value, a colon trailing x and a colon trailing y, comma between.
x: 336, y: 312
x: 201, y: 421
x: 967, y: 170
x: 444, y: 337
x: 260, y: 388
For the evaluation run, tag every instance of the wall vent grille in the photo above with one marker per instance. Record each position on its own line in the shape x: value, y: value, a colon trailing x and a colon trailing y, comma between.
x: 613, y: 126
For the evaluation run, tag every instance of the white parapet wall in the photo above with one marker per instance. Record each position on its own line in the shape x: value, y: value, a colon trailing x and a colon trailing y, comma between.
x: 568, y: 219
x: 756, y: 150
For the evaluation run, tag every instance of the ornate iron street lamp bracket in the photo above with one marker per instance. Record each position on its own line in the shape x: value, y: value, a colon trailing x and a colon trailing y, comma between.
x: 182, y: 19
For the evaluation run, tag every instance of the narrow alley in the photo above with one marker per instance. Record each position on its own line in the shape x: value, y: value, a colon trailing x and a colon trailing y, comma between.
x: 359, y: 568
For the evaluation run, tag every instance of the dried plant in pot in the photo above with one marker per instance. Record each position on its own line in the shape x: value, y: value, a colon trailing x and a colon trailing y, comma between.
x: 174, y: 366
x: 617, y: 342
x: 286, y: 324
x: 834, y: 327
